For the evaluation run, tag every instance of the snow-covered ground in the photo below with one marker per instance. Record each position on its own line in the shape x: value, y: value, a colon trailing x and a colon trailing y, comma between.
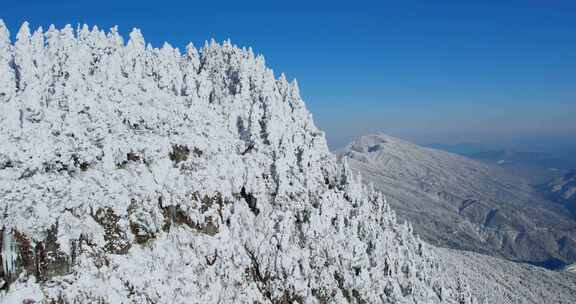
x: 496, y: 280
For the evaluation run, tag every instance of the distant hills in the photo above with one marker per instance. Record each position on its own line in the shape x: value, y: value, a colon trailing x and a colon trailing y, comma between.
x: 461, y: 148
x: 536, y: 167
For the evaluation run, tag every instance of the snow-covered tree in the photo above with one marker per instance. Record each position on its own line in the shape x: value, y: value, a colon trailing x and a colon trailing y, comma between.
x: 7, y: 77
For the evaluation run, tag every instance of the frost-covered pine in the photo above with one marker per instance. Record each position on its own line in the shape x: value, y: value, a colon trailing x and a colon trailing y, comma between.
x: 7, y: 77
x: 135, y: 174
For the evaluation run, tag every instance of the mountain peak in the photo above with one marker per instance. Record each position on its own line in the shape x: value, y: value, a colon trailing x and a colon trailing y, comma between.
x: 374, y: 142
x: 143, y: 175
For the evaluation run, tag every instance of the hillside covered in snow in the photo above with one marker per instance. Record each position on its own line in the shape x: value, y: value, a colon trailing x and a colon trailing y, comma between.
x: 456, y: 202
x: 133, y: 174
x: 563, y: 190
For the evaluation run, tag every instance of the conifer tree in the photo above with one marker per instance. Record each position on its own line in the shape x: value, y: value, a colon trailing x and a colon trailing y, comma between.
x: 7, y: 77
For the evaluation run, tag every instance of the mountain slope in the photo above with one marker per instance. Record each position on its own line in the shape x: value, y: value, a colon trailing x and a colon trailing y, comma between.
x: 130, y: 174
x: 563, y: 190
x: 460, y: 203
x: 496, y: 280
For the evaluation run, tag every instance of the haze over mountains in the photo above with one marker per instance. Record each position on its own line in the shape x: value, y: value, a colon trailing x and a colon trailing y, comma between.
x: 457, y: 202
x: 133, y: 174
x: 536, y: 167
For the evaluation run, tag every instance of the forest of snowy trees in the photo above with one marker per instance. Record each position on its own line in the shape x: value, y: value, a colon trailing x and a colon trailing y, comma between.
x: 134, y: 174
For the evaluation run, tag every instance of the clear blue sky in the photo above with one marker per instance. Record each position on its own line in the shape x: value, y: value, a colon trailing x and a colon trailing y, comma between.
x: 429, y: 71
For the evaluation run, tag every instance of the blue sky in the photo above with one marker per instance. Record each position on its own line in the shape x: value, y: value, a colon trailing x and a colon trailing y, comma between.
x: 497, y: 72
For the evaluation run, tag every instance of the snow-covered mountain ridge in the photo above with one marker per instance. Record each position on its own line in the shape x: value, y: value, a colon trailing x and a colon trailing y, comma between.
x: 135, y: 174
x: 460, y: 203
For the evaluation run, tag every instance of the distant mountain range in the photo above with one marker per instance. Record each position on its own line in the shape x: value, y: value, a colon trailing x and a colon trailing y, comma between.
x: 461, y: 203
x: 536, y: 167
x: 461, y: 148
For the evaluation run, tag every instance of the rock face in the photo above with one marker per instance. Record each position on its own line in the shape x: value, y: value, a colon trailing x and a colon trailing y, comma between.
x: 459, y: 203
x: 135, y: 174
